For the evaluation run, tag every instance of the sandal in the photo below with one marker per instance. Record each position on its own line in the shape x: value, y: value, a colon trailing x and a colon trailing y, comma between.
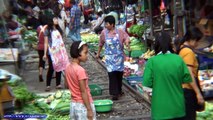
x: 59, y: 87
x: 47, y: 88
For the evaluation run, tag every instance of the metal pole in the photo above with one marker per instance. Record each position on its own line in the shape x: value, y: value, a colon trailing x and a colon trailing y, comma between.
x: 184, y: 17
x: 151, y: 22
x: 175, y: 19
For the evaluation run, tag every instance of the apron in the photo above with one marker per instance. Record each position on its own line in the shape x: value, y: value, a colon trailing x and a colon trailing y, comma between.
x: 58, y: 52
x: 114, y: 53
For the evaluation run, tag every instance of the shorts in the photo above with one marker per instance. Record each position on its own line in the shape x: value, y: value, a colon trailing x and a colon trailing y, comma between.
x: 79, y: 112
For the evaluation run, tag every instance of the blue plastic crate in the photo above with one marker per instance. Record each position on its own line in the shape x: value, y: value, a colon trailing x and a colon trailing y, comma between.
x: 135, y: 78
x: 208, y: 94
x: 203, y: 58
x: 205, y: 62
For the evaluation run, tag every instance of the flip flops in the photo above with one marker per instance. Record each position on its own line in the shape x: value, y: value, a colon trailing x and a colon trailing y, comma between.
x: 47, y: 89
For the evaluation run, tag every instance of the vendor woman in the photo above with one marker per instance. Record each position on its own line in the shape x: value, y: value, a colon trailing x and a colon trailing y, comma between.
x: 113, y: 40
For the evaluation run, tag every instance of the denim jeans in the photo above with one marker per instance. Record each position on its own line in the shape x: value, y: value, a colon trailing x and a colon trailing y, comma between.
x: 74, y: 34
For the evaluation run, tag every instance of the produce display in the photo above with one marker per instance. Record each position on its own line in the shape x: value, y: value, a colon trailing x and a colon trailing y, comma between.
x: 148, y: 54
x: 22, y: 20
x: 207, y: 114
x: 205, y: 74
x: 138, y: 29
x: 30, y: 36
x: 137, y: 48
x: 209, y: 49
x: 55, y: 106
x: 90, y: 38
x: 135, y: 69
x: 136, y: 44
x: 206, y: 80
x: 127, y: 72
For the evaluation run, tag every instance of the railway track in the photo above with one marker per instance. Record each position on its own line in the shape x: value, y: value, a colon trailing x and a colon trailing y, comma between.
x: 130, y: 106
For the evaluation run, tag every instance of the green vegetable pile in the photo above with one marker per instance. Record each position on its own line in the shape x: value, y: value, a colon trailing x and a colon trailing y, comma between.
x: 90, y: 38
x: 55, y: 106
x: 22, y: 20
x: 30, y: 36
x: 22, y: 95
x: 136, y: 46
x: 138, y: 29
x: 207, y: 114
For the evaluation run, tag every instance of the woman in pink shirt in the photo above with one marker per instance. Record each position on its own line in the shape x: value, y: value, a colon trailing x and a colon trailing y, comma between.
x: 82, y: 107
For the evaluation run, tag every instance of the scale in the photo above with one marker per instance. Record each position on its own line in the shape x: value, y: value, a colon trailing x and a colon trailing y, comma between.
x: 6, y: 94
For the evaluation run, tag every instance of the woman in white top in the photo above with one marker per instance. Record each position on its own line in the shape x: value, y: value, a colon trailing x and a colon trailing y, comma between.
x: 62, y: 17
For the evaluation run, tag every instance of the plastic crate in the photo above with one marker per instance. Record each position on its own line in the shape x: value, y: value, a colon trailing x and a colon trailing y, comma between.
x: 208, y: 94
x: 95, y: 90
x: 205, y: 62
x: 136, y: 53
x: 203, y: 58
x: 133, y: 80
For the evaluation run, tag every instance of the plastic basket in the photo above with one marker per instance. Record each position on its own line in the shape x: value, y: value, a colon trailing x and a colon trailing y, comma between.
x: 95, y: 90
x: 103, y: 105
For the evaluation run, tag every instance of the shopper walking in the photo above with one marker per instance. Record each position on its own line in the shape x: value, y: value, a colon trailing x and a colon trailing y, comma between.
x: 55, y: 51
x: 86, y: 9
x: 75, y: 17
x: 193, y: 95
x: 165, y: 73
x: 82, y: 107
x: 40, y: 47
x: 62, y: 17
x: 113, y: 40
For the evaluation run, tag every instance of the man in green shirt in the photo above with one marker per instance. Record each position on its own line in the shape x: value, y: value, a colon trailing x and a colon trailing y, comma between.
x: 165, y: 73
